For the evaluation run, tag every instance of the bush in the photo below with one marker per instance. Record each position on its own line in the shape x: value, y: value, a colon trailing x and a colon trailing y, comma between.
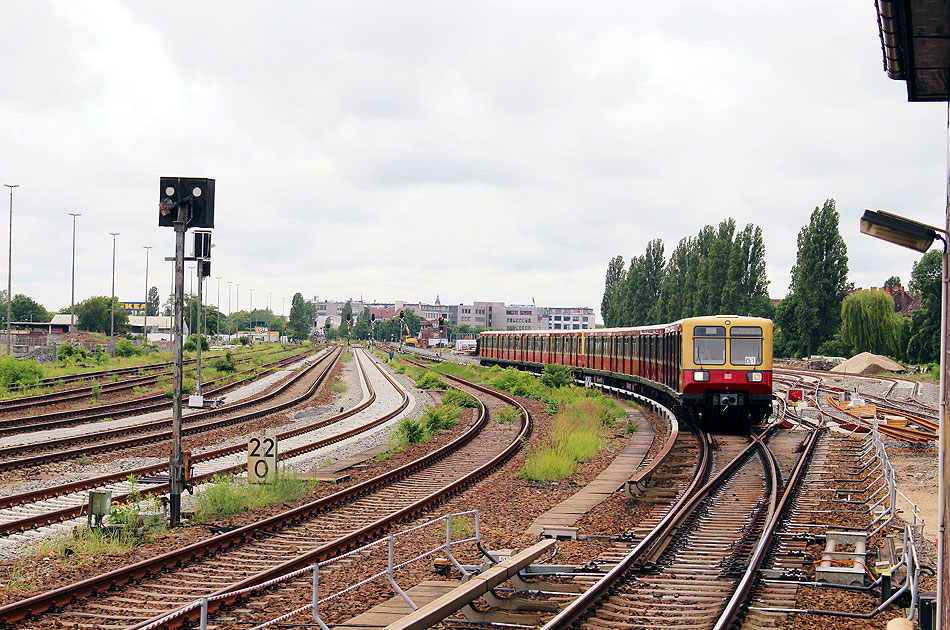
x: 459, y: 398
x: 225, y: 363
x: 244, y: 340
x: 20, y: 372
x: 442, y: 417
x: 125, y: 348
x: 71, y: 354
x: 431, y: 380
x: 557, y: 376
x: 192, y: 344
x: 410, y: 431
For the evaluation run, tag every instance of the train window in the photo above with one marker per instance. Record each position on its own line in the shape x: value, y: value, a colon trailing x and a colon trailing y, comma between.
x: 709, y: 351
x: 745, y: 351
x: 745, y: 331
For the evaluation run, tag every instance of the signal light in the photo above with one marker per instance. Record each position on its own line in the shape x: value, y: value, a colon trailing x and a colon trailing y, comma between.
x: 753, y: 377
x: 701, y: 376
x: 195, y: 192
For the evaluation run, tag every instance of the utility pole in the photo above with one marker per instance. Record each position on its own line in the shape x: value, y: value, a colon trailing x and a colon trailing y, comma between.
x: 112, y: 304
x: 72, y: 293
x: 145, y: 324
x: 10, y: 273
x: 218, y: 278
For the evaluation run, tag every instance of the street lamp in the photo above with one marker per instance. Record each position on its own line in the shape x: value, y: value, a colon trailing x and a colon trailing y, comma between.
x: 72, y: 293
x: 230, y: 328
x: 237, y: 300
x: 145, y: 323
x: 112, y: 304
x: 920, y: 236
x: 250, y: 310
x: 10, y: 269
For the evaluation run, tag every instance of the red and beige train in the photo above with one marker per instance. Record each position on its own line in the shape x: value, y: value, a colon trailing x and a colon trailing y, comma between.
x: 716, y: 370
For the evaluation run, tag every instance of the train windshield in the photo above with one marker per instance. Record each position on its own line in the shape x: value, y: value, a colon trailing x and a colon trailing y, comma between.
x: 745, y: 345
x: 709, y: 345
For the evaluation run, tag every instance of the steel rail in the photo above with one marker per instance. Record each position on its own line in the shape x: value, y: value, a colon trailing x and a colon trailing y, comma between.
x: 737, y: 603
x: 63, y: 595
x: 659, y: 536
x: 98, y: 447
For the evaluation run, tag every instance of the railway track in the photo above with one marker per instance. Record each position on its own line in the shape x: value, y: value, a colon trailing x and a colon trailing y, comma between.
x: 22, y: 456
x: 104, y: 380
x: 145, y: 404
x: 274, y: 546
x: 38, y: 508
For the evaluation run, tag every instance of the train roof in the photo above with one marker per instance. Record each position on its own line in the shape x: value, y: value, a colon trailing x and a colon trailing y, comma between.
x: 702, y: 320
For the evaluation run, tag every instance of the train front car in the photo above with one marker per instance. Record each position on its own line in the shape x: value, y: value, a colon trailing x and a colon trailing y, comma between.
x: 726, y: 378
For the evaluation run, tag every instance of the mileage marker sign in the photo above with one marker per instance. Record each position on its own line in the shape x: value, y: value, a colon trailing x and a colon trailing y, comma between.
x: 261, y: 459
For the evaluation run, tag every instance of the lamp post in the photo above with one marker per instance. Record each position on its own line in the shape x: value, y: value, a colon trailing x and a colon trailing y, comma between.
x: 10, y: 270
x: 112, y: 304
x: 229, y: 309
x: 72, y: 293
x: 237, y: 300
x: 145, y: 323
x: 218, y: 278
x: 250, y: 311
x: 919, y: 236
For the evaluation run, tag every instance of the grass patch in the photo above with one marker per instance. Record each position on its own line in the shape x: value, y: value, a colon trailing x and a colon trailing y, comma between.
x: 229, y: 495
x: 577, y: 436
x: 83, y: 460
x: 338, y: 388
x: 507, y: 415
x: 347, y: 356
x: 459, y: 398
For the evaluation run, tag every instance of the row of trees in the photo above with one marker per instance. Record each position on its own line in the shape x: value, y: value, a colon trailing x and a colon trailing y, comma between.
x: 717, y: 271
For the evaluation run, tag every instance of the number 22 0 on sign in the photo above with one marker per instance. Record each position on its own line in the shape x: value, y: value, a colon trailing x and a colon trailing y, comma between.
x: 261, y: 459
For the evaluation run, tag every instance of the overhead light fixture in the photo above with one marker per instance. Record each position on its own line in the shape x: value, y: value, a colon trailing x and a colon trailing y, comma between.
x: 898, y: 230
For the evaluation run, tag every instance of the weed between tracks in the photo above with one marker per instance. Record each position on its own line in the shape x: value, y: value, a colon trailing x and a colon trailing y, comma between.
x: 229, y: 495
x: 338, y: 388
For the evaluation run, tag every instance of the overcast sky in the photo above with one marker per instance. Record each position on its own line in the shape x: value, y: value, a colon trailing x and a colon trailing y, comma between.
x: 481, y: 150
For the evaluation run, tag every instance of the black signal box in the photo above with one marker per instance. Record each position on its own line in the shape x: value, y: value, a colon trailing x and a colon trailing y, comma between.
x: 196, y: 194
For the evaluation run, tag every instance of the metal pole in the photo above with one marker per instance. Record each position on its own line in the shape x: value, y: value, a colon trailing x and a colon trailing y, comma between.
x: 219, y: 304
x: 72, y: 298
x: 229, y: 308
x: 10, y: 272
x: 237, y: 301
x: 198, y: 338
x: 943, y: 451
x: 112, y: 304
x: 250, y: 310
x: 145, y: 324
x: 175, y: 462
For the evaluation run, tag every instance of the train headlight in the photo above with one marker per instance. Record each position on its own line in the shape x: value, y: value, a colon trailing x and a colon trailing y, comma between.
x: 700, y: 376
x: 753, y: 377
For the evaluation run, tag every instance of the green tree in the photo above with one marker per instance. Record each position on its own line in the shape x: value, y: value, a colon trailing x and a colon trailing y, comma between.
x: 93, y: 314
x: 613, y: 285
x: 25, y: 309
x: 923, y: 334
x: 869, y: 323
x: 892, y: 282
x: 302, y: 318
x: 748, y: 287
x: 819, y: 283
x: 152, y: 302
